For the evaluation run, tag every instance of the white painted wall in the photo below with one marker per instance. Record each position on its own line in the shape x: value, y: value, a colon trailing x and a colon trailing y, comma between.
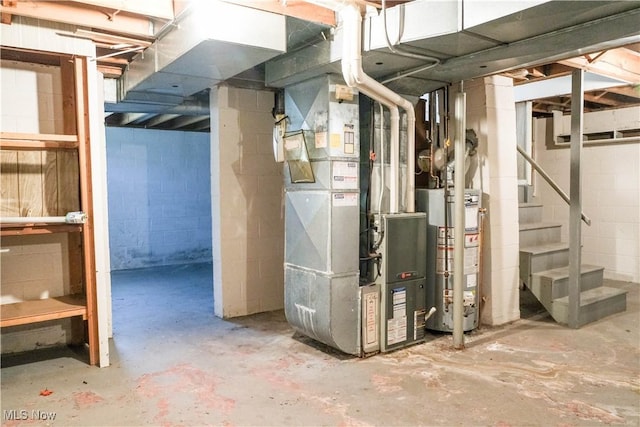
x: 159, y: 197
x: 610, y: 195
x: 31, y: 98
x: 491, y: 113
x: 246, y: 204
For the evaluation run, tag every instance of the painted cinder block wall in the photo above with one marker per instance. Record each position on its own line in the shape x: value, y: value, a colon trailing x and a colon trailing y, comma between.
x: 246, y: 196
x: 159, y: 197
x: 491, y: 113
x: 610, y: 192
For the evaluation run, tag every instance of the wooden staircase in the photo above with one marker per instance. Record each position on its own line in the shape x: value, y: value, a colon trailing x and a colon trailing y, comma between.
x: 544, y: 269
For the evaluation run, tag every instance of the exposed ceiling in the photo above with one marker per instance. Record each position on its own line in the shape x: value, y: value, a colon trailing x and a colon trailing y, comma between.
x: 621, y: 64
x: 541, y: 43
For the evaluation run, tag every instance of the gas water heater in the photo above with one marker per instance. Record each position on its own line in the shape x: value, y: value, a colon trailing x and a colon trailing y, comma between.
x: 439, y: 207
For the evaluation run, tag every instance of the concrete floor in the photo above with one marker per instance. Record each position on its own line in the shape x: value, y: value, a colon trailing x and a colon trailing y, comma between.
x: 176, y: 364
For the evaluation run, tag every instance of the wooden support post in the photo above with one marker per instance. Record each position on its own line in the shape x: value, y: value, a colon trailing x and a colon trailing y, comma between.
x: 5, y: 17
x: 86, y: 203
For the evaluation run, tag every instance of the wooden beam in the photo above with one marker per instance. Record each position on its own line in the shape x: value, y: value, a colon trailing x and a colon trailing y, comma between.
x: 5, y: 18
x: 68, y: 97
x: 110, y: 72
x: 295, y: 8
x: 114, y: 61
x: 629, y: 91
x: 162, y: 9
x: 622, y: 64
x: 75, y: 14
x: 601, y: 100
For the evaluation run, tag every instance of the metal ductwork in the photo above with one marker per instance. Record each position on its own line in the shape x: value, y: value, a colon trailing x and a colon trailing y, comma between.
x: 470, y: 39
x: 321, y: 214
x: 210, y: 42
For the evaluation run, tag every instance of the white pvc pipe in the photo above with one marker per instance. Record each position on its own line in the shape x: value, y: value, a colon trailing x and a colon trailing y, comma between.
x: 33, y: 220
x: 355, y: 76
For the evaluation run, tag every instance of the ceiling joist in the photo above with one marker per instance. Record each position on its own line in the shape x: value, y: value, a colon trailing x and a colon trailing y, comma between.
x: 78, y: 13
x: 296, y: 8
x: 622, y: 64
x: 628, y: 91
x: 109, y: 71
x: 161, y: 9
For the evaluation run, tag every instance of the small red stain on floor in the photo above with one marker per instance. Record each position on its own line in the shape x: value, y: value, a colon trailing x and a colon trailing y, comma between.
x: 385, y: 384
x: 584, y: 411
x: 275, y: 379
x: 190, y: 383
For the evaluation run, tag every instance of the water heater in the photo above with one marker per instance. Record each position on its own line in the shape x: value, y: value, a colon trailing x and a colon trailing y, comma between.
x: 439, y: 206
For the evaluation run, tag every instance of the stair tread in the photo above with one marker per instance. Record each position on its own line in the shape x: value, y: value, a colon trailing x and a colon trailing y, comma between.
x: 545, y: 248
x: 593, y: 295
x: 538, y: 225
x: 563, y: 272
x: 529, y: 205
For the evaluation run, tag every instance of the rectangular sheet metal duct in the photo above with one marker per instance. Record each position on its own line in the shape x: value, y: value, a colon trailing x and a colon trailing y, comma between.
x: 211, y: 42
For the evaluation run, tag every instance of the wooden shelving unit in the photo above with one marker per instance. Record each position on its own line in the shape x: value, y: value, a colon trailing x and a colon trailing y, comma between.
x: 22, y: 230
x: 20, y: 141
x: 23, y: 313
x: 72, y: 176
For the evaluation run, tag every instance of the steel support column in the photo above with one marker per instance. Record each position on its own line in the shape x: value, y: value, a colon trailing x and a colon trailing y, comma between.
x: 458, y: 229
x: 575, y: 206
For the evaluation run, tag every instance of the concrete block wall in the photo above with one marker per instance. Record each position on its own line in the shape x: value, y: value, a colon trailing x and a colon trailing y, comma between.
x: 610, y: 197
x: 247, y: 207
x: 50, y: 252
x: 31, y: 98
x: 53, y: 277
x: 491, y: 113
x: 159, y: 197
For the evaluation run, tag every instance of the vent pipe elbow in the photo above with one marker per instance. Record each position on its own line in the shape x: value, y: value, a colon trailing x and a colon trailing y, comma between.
x: 355, y: 76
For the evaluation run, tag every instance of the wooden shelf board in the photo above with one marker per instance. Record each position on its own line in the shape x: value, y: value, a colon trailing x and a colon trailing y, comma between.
x: 22, y: 313
x: 24, y: 229
x: 28, y: 144
x: 20, y: 136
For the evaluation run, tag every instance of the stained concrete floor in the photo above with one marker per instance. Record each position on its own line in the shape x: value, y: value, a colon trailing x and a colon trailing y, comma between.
x: 176, y: 364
